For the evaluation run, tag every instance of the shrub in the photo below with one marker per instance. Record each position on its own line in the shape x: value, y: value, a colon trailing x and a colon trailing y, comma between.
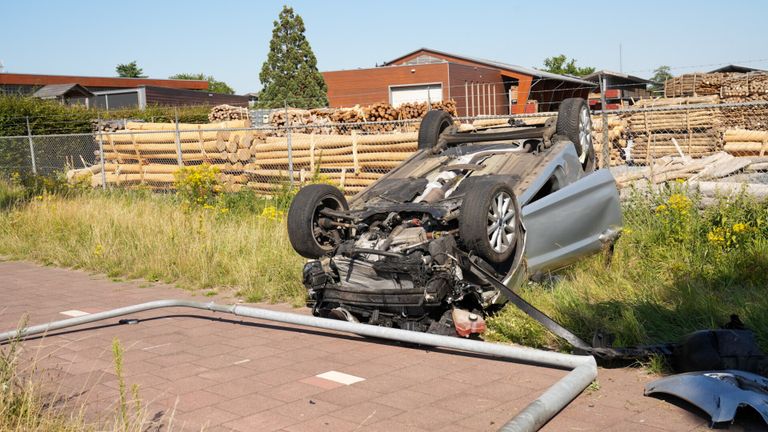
x: 198, y: 185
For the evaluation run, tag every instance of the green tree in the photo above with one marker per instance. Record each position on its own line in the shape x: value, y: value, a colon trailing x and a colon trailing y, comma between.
x: 290, y: 72
x: 129, y: 70
x: 561, y: 65
x: 214, y: 85
x: 661, y: 74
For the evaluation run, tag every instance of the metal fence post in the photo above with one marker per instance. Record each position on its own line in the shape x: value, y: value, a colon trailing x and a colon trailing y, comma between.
x: 101, y: 155
x: 31, y: 147
x: 605, y: 154
x: 288, y: 139
x: 178, y: 139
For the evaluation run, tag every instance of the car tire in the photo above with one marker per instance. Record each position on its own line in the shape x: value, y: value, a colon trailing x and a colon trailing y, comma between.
x: 575, y: 123
x: 432, y: 125
x: 303, y: 216
x: 481, y: 210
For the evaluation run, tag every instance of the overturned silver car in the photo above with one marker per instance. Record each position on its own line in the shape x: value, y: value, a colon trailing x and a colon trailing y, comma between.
x: 442, y: 240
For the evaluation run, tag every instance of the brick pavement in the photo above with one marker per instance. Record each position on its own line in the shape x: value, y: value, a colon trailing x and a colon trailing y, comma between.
x: 197, y: 369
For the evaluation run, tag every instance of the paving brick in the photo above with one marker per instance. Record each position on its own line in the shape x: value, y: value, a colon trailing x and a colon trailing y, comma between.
x: 234, y: 373
x: 264, y: 421
x: 323, y: 423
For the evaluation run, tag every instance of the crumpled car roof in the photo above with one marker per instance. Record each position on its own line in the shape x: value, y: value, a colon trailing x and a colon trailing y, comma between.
x: 718, y: 393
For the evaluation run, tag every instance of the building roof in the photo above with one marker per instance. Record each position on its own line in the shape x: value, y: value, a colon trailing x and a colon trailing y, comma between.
x: 56, y: 90
x: 736, y: 68
x: 499, y: 65
x: 89, y: 81
x: 595, y: 76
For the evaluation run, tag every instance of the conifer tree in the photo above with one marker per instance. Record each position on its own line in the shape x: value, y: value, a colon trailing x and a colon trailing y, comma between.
x: 290, y: 75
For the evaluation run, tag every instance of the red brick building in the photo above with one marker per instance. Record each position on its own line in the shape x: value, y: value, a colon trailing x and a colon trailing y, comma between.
x: 479, y: 87
x: 116, y: 92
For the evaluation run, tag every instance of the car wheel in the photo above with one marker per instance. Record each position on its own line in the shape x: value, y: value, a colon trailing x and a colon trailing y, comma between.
x: 487, y: 222
x: 432, y: 125
x: 575, y: 123
x: 307, y: 236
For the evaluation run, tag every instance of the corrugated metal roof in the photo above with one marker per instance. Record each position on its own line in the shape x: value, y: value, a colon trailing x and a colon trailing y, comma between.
x: 55, y: 90
x: 500, y: 65
x: 596, y: 75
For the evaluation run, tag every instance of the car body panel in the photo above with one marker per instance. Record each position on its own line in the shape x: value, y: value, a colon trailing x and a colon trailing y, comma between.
x: 718, y: 393
x: 571, y: 222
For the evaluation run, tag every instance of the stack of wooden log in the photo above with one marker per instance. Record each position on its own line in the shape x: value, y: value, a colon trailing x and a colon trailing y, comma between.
x: 351, y: 162
x: 227, y: 112
x: 662, y: 133
x: 741, y: 142
x: 616, y: 138
x: 732, y: 86
x: 319, y: 120
x: 149, y: 153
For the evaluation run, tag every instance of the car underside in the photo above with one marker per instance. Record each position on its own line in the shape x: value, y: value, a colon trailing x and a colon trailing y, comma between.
x: 442, y: 241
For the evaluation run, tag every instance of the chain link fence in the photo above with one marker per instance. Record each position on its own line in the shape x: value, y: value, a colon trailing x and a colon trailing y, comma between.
x: 657, y: 140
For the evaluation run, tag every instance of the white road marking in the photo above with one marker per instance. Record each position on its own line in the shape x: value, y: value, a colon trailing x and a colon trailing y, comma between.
x: 155, y: 346
x: 340, y: 377
x: 74, y: 313
x: 241, y: 362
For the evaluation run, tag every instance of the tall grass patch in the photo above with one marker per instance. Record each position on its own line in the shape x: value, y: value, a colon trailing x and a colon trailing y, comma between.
x: 675, y: 269
x: 143, y: 235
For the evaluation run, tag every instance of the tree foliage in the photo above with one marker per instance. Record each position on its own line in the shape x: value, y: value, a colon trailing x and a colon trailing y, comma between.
x: 561, y: 65
x: 290, y: 74
x: 214, y: 85
x: 661, y: 74
x: 129, y: 70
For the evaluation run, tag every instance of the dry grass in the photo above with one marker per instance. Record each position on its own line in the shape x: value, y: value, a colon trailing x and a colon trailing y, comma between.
x: 138, y: 235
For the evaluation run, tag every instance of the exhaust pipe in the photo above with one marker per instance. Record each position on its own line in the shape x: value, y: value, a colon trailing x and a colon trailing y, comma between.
x: 532, y: 417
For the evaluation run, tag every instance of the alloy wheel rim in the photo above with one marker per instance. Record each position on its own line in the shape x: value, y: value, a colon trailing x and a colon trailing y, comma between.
x: 585, y: 133
x: 501, y: 222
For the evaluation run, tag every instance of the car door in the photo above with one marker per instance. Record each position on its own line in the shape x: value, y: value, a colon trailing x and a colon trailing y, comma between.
x: 572, y: 222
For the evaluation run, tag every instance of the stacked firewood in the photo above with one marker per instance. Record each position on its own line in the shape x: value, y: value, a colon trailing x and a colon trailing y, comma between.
x: 227, y: 112
x: 745, y: 87
x: 319, y: 120
x: 732, y: 86
x: 108, y: 125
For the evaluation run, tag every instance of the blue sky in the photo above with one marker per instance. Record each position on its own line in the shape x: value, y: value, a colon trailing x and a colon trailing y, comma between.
x: 230, y: 39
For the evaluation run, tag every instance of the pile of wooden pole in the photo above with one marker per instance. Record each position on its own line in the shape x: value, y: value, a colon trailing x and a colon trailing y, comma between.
x: 228, y: 112
x: 692, y: 132
x: 741, y: 142
x: 745, y: 87
x: 616, y: 138
x: 149, y: 153
x: 351, y: 162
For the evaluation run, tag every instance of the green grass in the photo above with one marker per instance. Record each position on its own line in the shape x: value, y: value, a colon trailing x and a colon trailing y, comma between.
x: 675, y: 269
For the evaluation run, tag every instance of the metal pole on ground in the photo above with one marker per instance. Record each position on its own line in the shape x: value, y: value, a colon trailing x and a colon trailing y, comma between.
x: 31, y: 148
x: 605, y: 154
x: 582, y: 369
x: 178, y: 139
x: 288, y: 140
